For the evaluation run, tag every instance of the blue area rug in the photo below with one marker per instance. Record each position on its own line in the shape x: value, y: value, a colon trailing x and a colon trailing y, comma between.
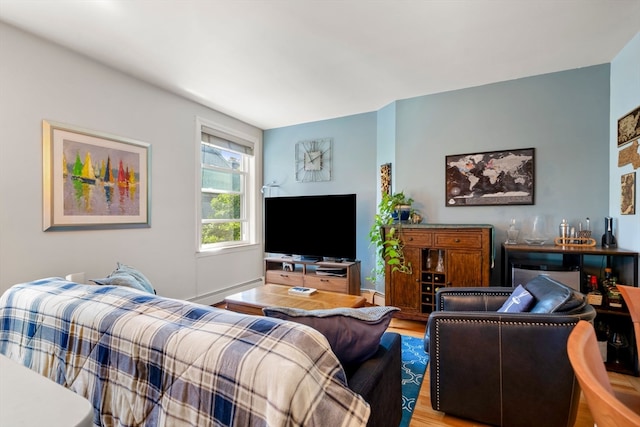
x: 414, y: 364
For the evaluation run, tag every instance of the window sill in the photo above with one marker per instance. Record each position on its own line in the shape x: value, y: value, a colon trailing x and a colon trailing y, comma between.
x: 223, y: 250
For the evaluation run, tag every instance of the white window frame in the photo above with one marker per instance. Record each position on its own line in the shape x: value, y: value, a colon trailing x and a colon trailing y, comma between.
x: 248, y: 190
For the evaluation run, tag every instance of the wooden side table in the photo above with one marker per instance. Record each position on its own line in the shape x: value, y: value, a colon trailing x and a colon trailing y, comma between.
x: 269, y: 295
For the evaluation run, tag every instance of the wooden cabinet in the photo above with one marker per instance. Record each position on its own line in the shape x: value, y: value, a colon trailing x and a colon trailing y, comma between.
x: 341, y: 277
x: 440, y: 255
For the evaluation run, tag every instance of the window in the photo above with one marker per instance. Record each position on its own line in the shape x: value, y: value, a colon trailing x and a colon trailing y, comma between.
x: 226, y: 171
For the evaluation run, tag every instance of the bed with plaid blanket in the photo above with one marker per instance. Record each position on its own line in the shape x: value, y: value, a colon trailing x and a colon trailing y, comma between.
x: 141, y: 359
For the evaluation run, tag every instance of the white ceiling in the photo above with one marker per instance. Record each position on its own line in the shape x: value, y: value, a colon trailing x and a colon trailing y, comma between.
x: 274, y: 63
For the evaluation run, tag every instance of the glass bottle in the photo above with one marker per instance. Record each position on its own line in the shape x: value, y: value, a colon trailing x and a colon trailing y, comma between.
x: 512, y: 233
x: 606, y: 281
x: 594, y: 296
x: 440, y: 266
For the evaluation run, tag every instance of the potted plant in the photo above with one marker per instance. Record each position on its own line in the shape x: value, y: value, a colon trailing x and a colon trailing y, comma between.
x: 391, y: 213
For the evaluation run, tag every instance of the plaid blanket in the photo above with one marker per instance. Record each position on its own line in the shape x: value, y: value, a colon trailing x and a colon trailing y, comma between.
x: 146, y: 360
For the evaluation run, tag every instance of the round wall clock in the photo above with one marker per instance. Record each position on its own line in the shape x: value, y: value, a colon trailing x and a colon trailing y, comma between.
x: 313, y: 160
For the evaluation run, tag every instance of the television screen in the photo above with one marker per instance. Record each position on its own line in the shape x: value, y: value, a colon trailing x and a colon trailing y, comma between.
x: 311, y: 226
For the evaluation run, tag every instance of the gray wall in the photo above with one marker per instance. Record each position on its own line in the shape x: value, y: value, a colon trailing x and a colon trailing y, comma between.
x: 565, y: 116
x: 39, y: 80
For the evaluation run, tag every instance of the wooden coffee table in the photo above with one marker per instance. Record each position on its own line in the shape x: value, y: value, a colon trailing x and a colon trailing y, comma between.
x: 254, y: 300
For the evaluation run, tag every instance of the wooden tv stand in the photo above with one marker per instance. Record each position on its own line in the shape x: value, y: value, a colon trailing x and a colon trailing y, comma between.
x: 309, y: 274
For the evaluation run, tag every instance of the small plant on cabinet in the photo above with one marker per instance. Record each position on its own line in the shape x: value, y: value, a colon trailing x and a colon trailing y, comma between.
x: 390, y: 249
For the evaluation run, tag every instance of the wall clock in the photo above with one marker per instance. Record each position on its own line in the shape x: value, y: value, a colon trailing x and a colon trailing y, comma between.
x: 313, y: 160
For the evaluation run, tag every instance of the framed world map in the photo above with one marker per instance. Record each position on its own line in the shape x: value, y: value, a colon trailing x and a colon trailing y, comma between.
x: 491, y: 178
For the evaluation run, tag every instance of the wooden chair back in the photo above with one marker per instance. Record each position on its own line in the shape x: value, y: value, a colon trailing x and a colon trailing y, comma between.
x: 585, y: 358
x: 631, y: 296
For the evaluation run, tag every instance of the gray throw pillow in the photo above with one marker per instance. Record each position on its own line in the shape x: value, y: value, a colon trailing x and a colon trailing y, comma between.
x: 353, y: 333
x: 121, y: 279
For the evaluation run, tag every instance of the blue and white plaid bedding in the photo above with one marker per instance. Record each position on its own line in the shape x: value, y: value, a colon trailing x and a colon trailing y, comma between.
x: 147, y: 360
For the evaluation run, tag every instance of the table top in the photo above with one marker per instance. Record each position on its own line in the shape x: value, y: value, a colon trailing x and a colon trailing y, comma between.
x: 552, y: 248
x: 270, y: 295
x: 30, y: 399
x: 434, y: 226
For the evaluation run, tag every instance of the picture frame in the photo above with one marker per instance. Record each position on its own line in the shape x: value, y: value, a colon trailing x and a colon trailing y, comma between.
x: 93, y: 180
x: 505, y: 177
x: 628, y: 194
x: 629, y: 127
x: 385, y: 179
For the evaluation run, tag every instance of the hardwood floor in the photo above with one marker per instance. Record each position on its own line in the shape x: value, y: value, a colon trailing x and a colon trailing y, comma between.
x: 424, y: 415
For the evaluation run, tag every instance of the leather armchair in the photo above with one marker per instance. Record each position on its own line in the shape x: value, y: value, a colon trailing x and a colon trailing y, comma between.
x: 505, y: 369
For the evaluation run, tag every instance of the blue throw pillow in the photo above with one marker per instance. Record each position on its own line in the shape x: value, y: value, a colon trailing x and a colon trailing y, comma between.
x: 520, y: 300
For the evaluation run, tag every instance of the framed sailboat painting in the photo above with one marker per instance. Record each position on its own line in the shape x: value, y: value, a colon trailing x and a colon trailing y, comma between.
x: 93, y: 180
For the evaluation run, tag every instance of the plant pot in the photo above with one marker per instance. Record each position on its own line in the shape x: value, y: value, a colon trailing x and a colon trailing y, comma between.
x: 402, y: 212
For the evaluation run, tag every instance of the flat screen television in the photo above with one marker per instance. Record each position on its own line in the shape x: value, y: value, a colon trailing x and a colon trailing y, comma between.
x: 312, y: 227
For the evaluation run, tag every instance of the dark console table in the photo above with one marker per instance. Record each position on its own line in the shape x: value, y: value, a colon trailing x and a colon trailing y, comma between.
x: 588, y: 261
x: 591, y: 260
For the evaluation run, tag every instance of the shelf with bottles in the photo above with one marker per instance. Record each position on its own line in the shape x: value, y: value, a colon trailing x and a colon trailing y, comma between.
x: 602, y: 292
x: 616, y: 340
x: 432, y: 277
x: 433, y: 260
x: 614, y: 328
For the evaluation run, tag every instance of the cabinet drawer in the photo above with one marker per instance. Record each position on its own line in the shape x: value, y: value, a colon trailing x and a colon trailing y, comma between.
x: 416, y: 238
x: 324, y: 283
x: 459, y: 240
x: 280, y: 277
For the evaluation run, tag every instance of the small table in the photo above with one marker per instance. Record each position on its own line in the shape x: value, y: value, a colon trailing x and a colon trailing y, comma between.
x: 254, y: 300
x: 29, y: 399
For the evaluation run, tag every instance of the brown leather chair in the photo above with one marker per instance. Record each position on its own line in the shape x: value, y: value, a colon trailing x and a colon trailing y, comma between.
x: 505, y: 369
x: 608, y: 409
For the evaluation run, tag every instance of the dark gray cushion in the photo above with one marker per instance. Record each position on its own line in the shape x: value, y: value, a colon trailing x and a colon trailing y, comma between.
x: 353, y: 333
x: 552, y: 296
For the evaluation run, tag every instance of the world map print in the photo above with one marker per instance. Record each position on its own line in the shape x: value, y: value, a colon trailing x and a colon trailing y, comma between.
x: 491, y: 178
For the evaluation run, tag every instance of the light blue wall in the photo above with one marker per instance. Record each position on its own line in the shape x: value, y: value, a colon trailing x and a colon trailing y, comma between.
x: 386, y: 143
x: 625, y: 96
x: 354, y: 168
x: 565, y: 116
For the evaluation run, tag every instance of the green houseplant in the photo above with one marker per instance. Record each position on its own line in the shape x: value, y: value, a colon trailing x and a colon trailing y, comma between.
x: 390, y: 248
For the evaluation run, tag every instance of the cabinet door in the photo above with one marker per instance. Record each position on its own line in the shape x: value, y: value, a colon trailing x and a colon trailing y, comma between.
x: 464, y: 268
x: 404, y: 289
